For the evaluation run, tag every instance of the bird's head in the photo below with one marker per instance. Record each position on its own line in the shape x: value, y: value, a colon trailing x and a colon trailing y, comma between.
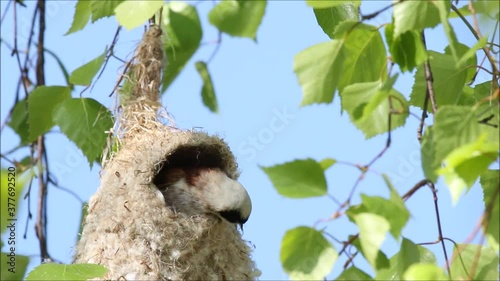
x: 205, y: 190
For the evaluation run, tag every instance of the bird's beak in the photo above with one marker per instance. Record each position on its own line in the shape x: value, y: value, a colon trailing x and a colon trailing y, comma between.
x: 241, y: 226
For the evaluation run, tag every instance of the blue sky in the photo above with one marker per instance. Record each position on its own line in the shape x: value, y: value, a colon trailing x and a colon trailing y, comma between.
x: 258, y: 96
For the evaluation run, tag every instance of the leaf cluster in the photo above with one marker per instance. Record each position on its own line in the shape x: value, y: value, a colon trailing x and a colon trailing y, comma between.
x: 357, y: 65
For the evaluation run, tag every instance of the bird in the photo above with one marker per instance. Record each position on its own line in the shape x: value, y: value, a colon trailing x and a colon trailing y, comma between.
x: 204, y: 191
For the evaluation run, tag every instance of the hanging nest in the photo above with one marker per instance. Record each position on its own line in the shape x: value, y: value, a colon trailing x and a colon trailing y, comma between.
x: 129, y: 228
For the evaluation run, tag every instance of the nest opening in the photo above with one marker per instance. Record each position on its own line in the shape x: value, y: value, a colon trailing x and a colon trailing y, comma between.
x: 191, y: 156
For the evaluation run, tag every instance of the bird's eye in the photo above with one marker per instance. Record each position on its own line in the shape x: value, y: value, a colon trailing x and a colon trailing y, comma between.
x: 232, y: 216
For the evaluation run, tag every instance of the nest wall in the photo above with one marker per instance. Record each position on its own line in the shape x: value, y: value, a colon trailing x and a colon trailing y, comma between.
x: 130, y: 230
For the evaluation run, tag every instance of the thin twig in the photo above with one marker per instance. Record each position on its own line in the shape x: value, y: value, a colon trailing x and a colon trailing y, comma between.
x: 41, y: 223
x: 365, y: 168
x: 7, y: 159
x: 374, y: 14
x: 422, y: 118
x: 109, y: 55
x: 40, y: 226
x: 333, y: 237
x: 477, y: 35
x: 30, y: 215
x: 491, y: 43
x: 387, y: 142
x: 487, y: 217
x: 15, y: 51
x: 440, y: 231
x: 40, y: 62
x: 429, y: 81
x: 217, y: 47
x: 28, y: 50
x: 5, y: 11
x: 69, y: 191
x: 127, y: 66
x: 348, y: 242
x: 480, y: 67
x: 475, y: 231
x: 474, y: 19
x: 414, y: 189
x: 7, y: 118
x: 475, y: 261
x: 350, y: 259
x: 405, y: 197
x: 349, y: 164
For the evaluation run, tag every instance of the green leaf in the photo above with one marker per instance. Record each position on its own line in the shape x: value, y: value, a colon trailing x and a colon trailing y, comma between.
x: 359, y: 56
x: 465, y: 258
x: 11, y: 188
x: 454, y: 126
x: 444, y: 10
x: 85, y: 122
x: 408, y: 255
x: 381, y: 261
x: 13, y: 270
x: 19, y: 121
x: 487, y: 10
x: 397, y: 204
x: 353, y: 273
x: 384, y: 208
x: 41, y: 103
x: 424, y: 271
x: 81, y: 17
x: 448, y: 80
x: 407, y: 49
x: 414, y: 16
x: 466, y: 163
x: 427, y: 154
x: 364, y: 54
x: 478, y: 96
x: 238, y: 17
x: 132, y: 14
x: 103, y: 9
x: 487, y: 110
x: 306, y: 254
x: 490, y: 182
x: 207, y: 90
x: 330, y: 18
x: 327, y: 163
x: 368, y: 106
x: 321, y: 4
x: 53, y: 271
x: 24, y: 164
x: 315, y: 68
x: 467, y: 58
x: 182, y: 39
x: 84, y: 74
x: 372, y: 232
x: 298, y: 179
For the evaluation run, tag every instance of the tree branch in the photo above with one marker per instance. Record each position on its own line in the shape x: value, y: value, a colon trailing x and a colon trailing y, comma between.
x: 41, y: 222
